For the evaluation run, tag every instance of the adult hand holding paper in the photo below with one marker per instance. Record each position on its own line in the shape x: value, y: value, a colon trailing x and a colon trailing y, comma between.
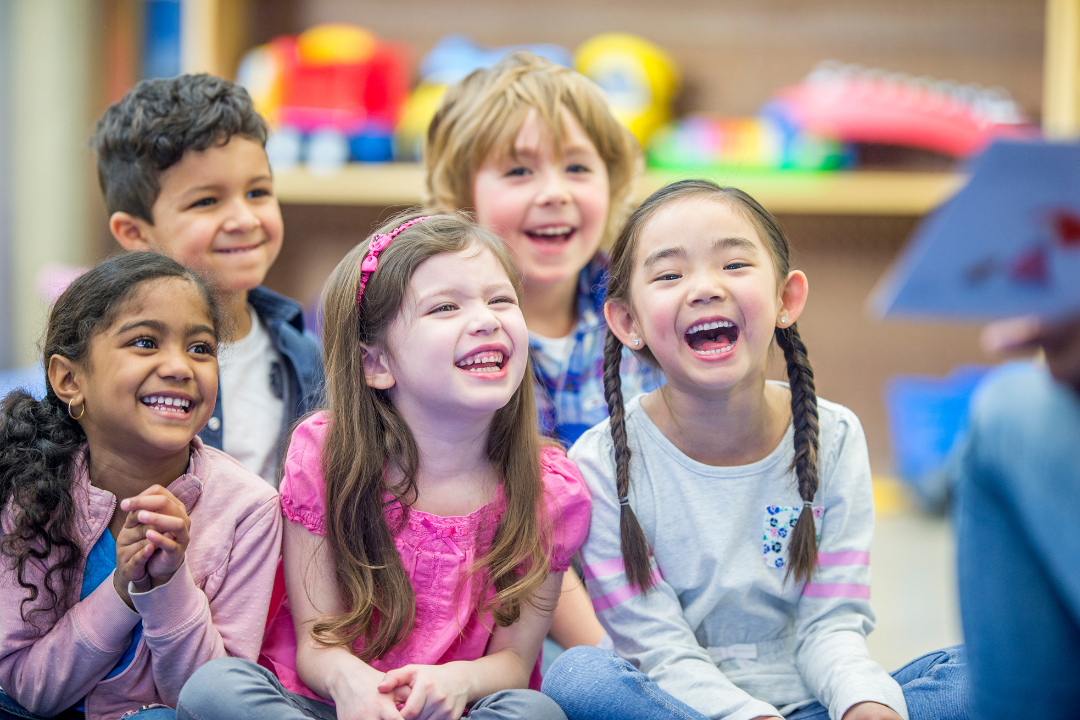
x: 1008, y: 244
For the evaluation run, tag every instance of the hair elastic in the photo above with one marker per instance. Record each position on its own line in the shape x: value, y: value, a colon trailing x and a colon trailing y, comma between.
x: 624, y: 500
x: 807, y: 504
x: 377, y: 245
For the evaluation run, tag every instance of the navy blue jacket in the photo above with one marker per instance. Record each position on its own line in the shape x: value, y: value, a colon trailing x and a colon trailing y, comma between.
x: 298, y: 379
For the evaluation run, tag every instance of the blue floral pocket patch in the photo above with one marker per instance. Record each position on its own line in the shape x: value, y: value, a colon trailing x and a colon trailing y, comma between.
x: 779, y: 522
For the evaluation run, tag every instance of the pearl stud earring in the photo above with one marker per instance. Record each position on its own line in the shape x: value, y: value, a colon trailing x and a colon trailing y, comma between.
x: 637, y: 341
x: 783, y: 319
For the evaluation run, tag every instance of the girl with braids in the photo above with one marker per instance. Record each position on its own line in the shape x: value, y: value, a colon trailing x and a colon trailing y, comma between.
x: 732, y: 517
x: 131, y: 553
x: 429, y: 527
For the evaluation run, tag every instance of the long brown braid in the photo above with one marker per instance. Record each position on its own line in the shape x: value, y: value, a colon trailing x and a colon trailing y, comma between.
x: 802, y: 547
x: 635, y: 549
x: 803, y: 544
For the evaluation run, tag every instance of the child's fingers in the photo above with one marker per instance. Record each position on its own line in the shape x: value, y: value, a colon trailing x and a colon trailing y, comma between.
x: 390, y: 681
x: 132, y: 564
x: 156, y: 503
x: 415, y: 704
x: 162, y: 523
x: 166, y: 544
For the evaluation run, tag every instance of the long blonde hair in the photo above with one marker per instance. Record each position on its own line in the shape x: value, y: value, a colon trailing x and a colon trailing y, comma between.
x: 367, y: 434
x: 483, y: 113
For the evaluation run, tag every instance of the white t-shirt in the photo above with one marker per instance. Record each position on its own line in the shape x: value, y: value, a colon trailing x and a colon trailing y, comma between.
x: 552, y: 354
x: 252, y: 410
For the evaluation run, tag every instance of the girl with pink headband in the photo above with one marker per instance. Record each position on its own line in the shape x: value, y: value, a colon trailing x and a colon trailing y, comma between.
x: 429, y: 525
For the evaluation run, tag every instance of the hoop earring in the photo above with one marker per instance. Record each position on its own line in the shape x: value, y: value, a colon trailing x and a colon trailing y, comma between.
x: 72, y: 416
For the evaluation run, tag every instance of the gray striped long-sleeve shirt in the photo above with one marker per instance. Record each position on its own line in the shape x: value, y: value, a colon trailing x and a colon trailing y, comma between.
x: 721, y: 630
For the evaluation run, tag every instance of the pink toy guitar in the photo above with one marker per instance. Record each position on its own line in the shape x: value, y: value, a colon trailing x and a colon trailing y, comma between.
x: 855, y: 104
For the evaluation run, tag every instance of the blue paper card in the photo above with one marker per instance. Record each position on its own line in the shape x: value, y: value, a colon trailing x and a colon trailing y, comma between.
x: 1007, y: 244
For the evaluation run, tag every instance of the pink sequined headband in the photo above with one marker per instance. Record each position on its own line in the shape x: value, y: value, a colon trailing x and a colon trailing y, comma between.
x: 371, y: 260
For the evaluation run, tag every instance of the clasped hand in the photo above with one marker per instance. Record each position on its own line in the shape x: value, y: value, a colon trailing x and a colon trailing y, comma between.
x: 151, y: 545
x: 412, y: 692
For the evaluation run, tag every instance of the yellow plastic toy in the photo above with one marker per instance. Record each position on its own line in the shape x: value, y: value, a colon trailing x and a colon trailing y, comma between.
x: 335, y: 44
x: 415, y: 118
x: 638, y: 77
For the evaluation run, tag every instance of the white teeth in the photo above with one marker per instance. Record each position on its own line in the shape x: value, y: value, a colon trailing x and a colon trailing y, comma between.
x: 161, y: 402
x: 482, y: 359
x: 709, y: 326
x: 717, y: 351
x: 556, y: 230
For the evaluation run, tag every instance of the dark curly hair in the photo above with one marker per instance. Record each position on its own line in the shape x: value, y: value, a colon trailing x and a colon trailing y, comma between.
x: 153, y: 126
x: 40, y: 443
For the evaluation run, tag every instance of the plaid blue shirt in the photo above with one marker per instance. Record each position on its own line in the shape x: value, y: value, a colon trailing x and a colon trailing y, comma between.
x: 571, y: 400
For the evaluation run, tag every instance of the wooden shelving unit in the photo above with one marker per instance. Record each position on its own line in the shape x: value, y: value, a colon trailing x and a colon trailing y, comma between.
x: 839, y: 193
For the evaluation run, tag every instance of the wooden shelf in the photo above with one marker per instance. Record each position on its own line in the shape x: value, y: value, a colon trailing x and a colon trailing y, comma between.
x: 839, y: 193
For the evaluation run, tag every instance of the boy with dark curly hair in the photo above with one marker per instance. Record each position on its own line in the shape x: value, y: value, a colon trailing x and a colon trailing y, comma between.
x: 183, y: 168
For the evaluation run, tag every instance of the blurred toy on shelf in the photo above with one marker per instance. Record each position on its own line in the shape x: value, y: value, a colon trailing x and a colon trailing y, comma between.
x: 331, y: 94
x: 638, y: 77
x: 860, y: 105
x: 452, y: 58
x: 704, y: 143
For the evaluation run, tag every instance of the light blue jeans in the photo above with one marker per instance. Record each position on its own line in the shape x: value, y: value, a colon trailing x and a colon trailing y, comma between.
x: 230, y: 688
x: 11, y: 710
x: 593, y: 684
x: 1018, y: 546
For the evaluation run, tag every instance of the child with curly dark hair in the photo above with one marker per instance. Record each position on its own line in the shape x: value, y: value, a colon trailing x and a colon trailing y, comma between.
x: 184, y: 173
x: 130, y: 552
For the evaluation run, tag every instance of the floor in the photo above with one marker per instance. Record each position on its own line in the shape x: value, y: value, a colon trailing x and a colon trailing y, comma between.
x: 914, y: 580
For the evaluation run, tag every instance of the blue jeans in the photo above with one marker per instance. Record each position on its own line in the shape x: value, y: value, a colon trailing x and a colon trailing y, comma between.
x: 1018, y: 545
x: 230, y: 688
x: 11, y: 710
x: 593, y: 684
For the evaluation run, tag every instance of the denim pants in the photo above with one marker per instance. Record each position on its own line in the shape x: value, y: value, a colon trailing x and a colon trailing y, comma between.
x: 232, y: 688
x: 1018, y: 546
x: 594, y: 684
x: 11, y: 710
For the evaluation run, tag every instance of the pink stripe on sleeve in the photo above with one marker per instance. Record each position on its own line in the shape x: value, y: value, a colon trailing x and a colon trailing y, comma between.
x: 848, y: 557
x: 618, y: 597
x: 831, y: 590
x: 604, y: 567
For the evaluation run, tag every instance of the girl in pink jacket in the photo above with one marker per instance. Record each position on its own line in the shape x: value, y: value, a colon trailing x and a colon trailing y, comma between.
x: 130, y: 554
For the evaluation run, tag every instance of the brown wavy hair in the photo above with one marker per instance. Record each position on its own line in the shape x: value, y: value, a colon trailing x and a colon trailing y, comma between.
x: 483, y: 113
x: 804, y: 410
x: 41, y: 445
x: 367, y: 435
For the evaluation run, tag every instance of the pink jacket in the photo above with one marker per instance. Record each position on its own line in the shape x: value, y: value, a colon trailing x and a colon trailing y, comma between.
x: 214, y: 606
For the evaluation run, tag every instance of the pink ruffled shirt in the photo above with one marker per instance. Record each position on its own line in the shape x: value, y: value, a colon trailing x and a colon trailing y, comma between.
x: 437, y: 553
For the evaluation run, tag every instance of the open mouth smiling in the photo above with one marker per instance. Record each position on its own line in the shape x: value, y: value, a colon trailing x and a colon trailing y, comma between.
x: 552, y: 234
x: 712, y: 337
x: 484, y: 361
x: 168, y: 404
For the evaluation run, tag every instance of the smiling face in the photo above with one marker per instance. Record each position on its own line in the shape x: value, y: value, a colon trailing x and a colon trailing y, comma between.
x: 705, y: 296
x: 217, y: 212
x: 149, y: 381
x: 459, y: 346
x: 550, y: 208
